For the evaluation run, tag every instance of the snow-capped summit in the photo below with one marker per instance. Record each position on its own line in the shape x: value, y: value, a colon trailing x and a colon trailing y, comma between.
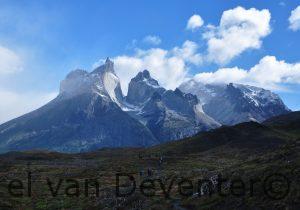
x: 145, y: 77
x: 235, y: 103
x: 108, y: 66
x: 259, y: 96
x: 142, y: 87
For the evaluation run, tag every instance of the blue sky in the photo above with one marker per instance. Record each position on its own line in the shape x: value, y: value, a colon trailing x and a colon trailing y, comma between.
x: 47, y: 39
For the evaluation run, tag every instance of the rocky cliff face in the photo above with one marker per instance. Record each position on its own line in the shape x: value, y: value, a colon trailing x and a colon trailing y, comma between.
x: 141, y: 88
x: 168, y: 114
x: 173, y: 115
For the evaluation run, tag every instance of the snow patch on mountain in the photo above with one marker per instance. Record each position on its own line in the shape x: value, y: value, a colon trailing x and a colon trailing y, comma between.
x: 111, y: 82
x: 235, y: 103
x: 258, y: 96
x: 203, y: 118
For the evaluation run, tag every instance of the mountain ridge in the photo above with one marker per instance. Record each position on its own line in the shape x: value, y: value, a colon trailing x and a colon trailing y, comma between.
x: 91, y: 112
x: 232, y: 103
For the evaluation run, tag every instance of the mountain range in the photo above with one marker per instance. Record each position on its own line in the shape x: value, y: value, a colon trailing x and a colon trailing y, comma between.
x: 91, y: 112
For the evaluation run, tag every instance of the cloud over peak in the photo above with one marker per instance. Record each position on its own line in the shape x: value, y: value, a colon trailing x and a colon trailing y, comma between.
x: 169, y: 67
x: 268, y: 73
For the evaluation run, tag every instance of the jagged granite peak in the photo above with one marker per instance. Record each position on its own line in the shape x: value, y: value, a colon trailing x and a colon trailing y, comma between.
x: 142, y: 87
x: 173, y: 115
x: 86, y: 115
x: 142, y: 75
x: 180, y: 102
x: 145, y: 76
x: 90, y: 113
x: 232, y: 103
x: 102, y: 81
x: 108, y: 66
x: 168, y: 114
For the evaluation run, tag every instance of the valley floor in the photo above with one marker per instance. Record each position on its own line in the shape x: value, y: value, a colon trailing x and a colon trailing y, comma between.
x: 143, y: 165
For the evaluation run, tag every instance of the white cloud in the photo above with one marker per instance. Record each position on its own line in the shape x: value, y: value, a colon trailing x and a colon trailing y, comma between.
x: 188, y: 52
x: 169, y: 70
x: 194, y: 22
x: 294, y: 19
x: 14, y: 104
x: 268, y: 73
x: 10, y: 62
x: 169, y: 67
x: 239, y: 30
x: 153, y: 40
x: 223, y: 75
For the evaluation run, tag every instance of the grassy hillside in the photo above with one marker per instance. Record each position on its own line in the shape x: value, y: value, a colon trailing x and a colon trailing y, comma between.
x: 289, y: 123
x: 247, y: 151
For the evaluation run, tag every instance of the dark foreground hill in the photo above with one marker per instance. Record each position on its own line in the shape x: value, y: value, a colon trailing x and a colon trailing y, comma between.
x: 245, y: 152
x: 289, y: 123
